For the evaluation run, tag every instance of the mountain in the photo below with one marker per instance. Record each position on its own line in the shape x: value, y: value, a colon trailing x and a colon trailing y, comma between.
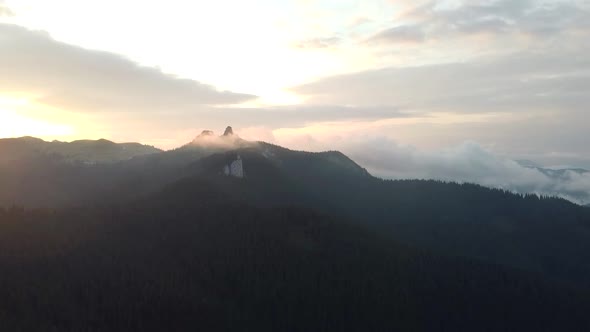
x: 190, y: 257
x: 28, y: 180
x: 85, y: 151
x: 224, y: 234
x: 552, y: 172
x: 37, y: 173
x: 549, y: 237
x: 527, y: 163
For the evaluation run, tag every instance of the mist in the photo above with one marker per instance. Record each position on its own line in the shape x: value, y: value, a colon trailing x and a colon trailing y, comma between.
x: 467, y: 162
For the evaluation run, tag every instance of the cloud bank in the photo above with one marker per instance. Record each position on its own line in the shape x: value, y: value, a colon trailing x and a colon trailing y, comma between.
x: 467, y: 162
x: 400, y: 34
x: 513, y: 82
x: 72, y: 78
x: 536, y: 19
x: 123, y: 97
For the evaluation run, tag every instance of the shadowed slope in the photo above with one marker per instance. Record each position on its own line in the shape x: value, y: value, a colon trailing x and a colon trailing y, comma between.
x: 192, y: 258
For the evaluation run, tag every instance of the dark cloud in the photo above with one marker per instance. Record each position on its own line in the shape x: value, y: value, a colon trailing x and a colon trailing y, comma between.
x: 399, y: 34
x: 82, y: 80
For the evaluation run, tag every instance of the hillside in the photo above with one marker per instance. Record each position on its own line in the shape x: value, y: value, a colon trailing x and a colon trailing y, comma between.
x: 546, y: 236
x: 192, y: 258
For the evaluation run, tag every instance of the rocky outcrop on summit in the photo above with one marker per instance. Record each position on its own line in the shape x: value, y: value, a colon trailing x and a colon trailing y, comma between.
x: 229, y: 140
x: 235, y: 168
x: 206, y: 133
x: 228, y: 131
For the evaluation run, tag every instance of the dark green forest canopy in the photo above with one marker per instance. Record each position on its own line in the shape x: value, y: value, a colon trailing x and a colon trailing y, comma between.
x: 221, y: 265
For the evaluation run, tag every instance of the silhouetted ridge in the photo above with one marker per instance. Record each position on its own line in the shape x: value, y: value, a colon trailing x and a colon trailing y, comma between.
x: 26, y: 149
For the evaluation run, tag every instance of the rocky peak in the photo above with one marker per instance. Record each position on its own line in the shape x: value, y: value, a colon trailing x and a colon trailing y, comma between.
x: 228, y: 131
x: 229, y: 140
x: 205, y: 133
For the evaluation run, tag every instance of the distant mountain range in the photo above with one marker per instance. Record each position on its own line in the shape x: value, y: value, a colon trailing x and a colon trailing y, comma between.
x: 86, y: 151
x: 565, y: 179
x: 553, y: 172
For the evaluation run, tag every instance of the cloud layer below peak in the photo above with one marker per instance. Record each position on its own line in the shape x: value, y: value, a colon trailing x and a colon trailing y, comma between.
x: 467, y: 162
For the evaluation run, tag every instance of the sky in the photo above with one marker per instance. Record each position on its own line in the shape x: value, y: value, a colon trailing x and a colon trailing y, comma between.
x: 437, y: 81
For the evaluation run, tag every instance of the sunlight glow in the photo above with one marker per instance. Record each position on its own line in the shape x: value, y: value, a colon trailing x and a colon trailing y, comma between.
x: 16, y: 125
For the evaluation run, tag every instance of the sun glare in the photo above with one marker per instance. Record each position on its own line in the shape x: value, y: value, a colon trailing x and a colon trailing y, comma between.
x: 14, y: 124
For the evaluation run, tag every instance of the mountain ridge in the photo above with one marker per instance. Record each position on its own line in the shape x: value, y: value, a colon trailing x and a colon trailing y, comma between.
x: 450, y: 218
x: 91, y: 151
x: 170, y: 235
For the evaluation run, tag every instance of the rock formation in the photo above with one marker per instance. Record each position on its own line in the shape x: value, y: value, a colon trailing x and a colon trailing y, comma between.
x: 228, y: 131
x: 235, y: 168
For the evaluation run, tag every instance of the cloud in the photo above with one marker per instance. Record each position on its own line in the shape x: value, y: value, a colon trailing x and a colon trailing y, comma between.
x: 296, y: 116
x: 519, y: 69
x: 252, y: 119
x: 4, y: 10
x: 467, y: 162
x: 76, y: 79
x: 399, y: 34
x: 535, y: 75
x: 537, y: 18
x: 314, y: 43
x: 122, y: 100
x: 519, y: 82
x: 486, y: 25
x: 359, y: 21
